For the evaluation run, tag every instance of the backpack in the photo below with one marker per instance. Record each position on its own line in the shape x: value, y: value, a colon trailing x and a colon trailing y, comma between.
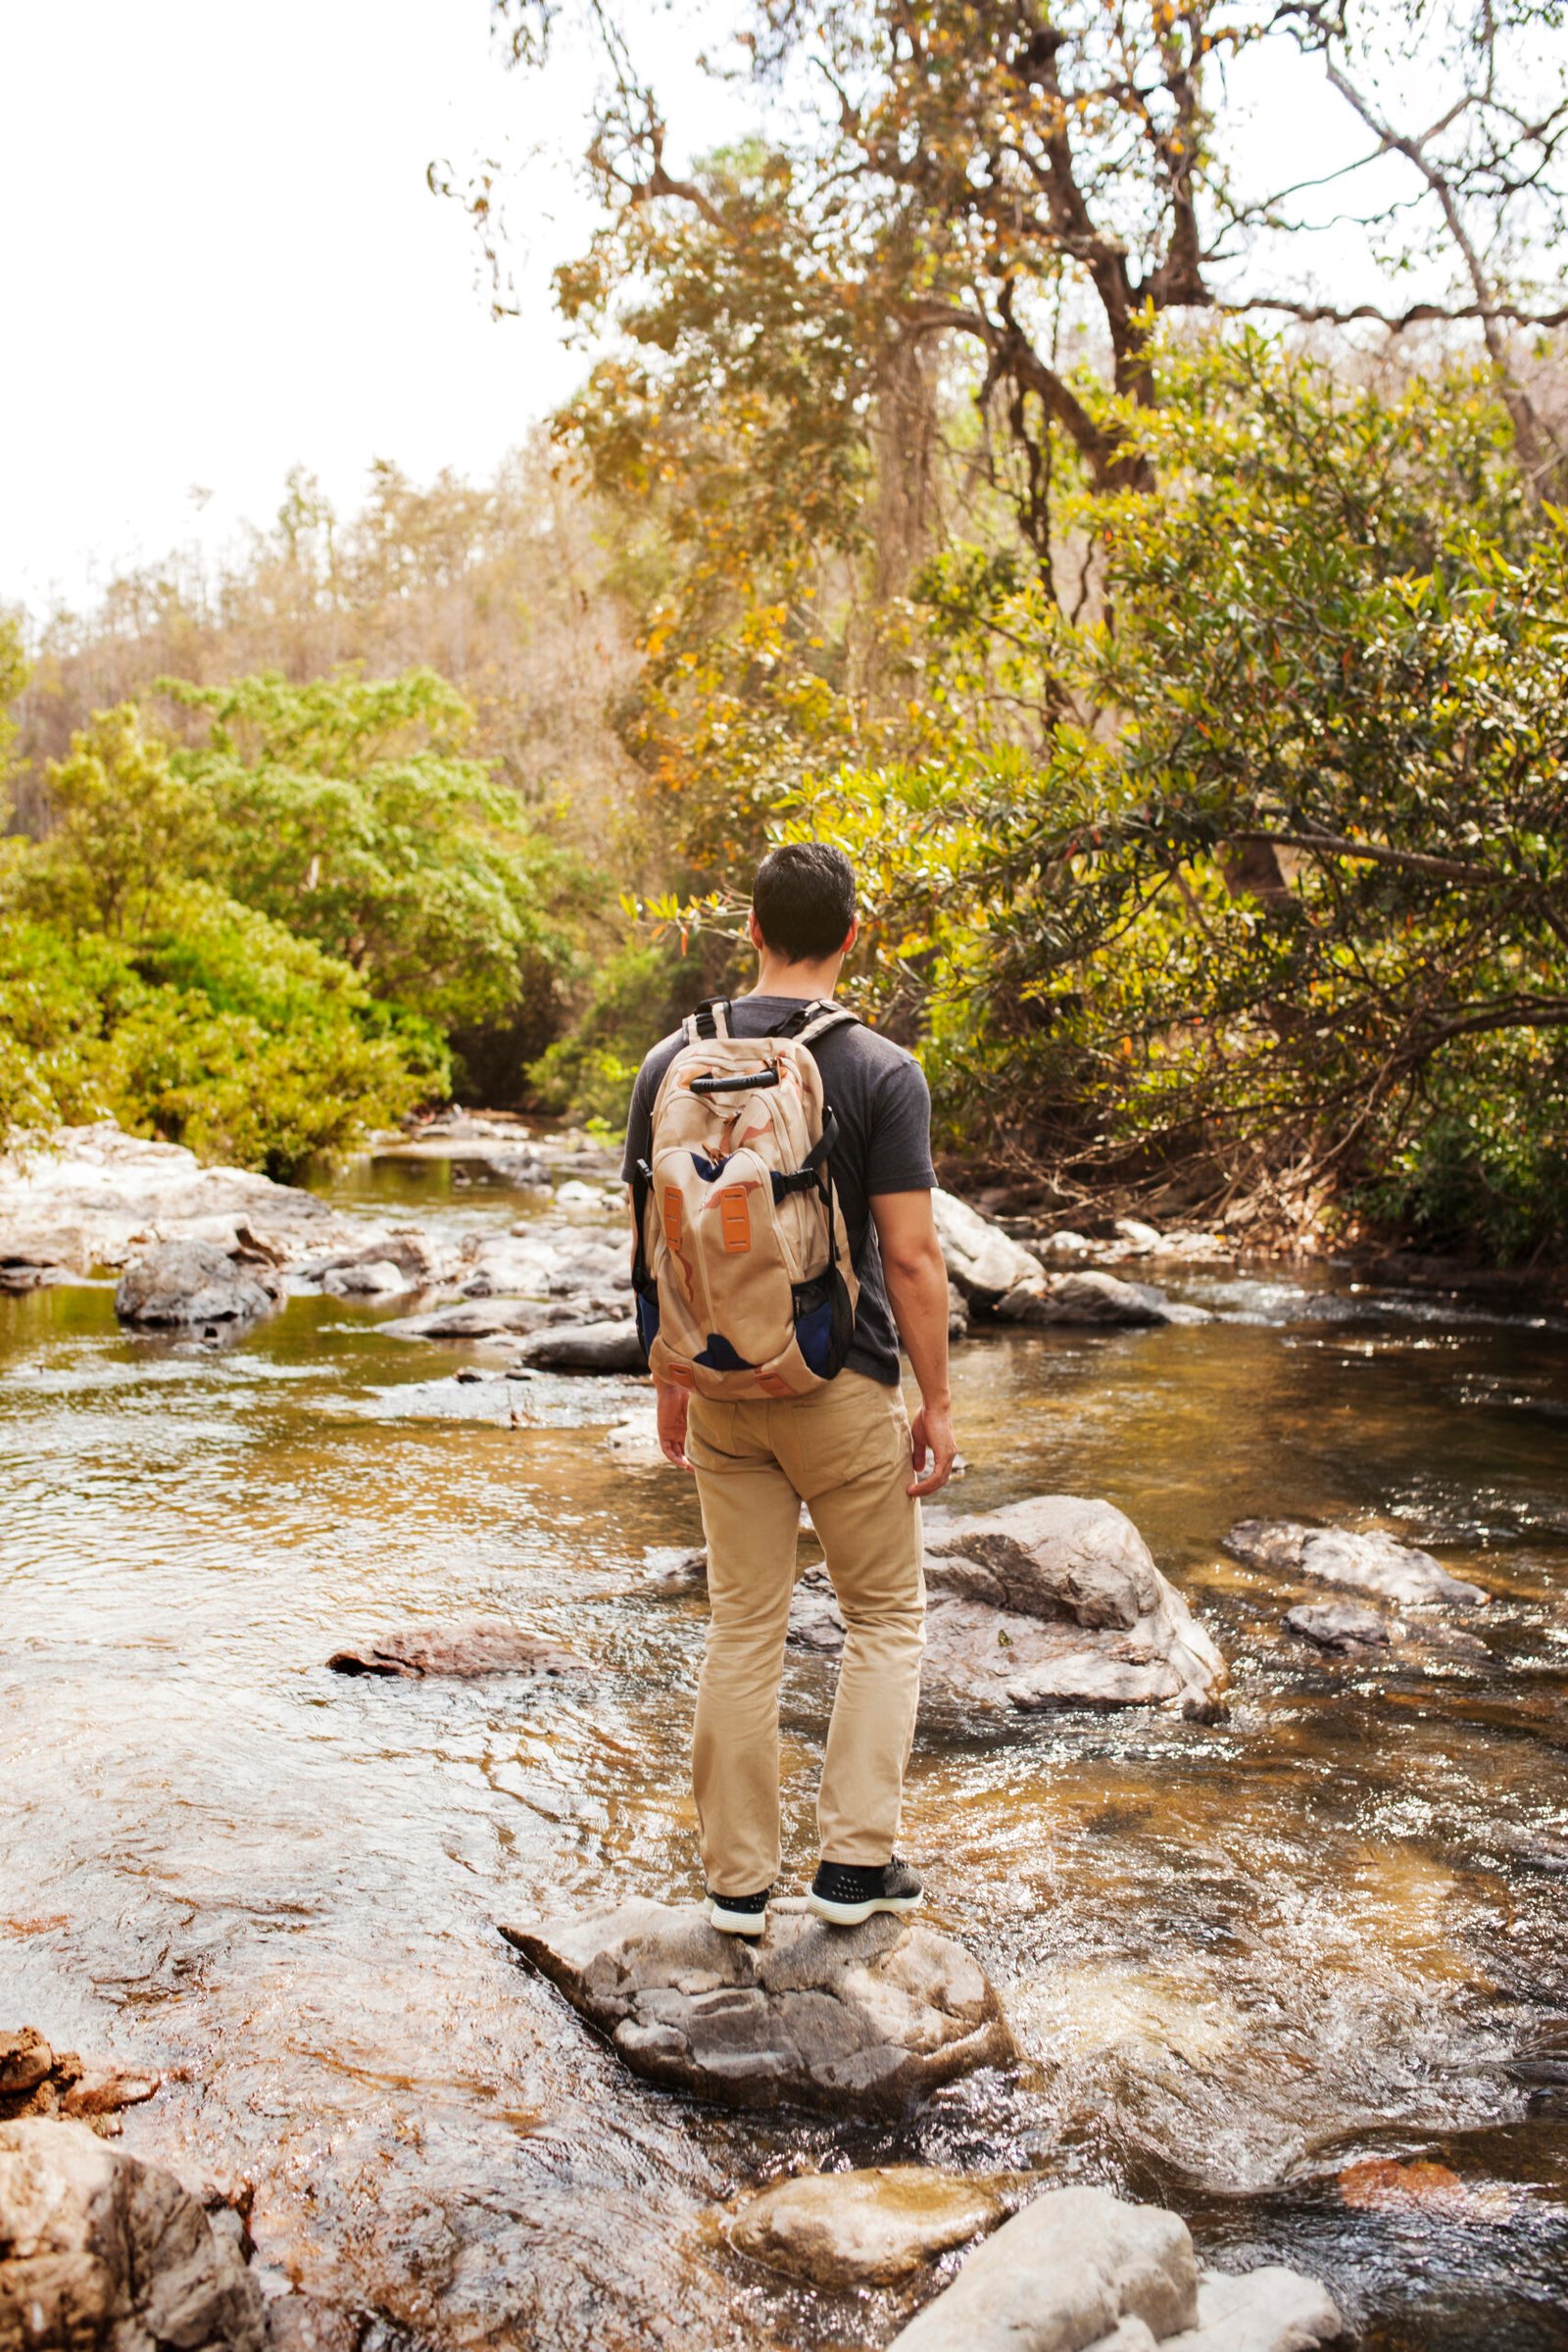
x: 742, y: 1272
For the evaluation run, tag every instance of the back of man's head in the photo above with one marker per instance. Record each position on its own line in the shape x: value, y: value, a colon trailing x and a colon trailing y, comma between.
x: 804, y: 901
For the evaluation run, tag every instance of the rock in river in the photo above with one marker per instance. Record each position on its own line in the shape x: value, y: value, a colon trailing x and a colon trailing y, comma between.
x: 980, y: 1258
x: 37, y: 2080
x: 99, y: 2249
x: 585, y: 1347
x: 195, y: 1282
x: 866, y: 2228
x: 471, y: 1646
x: 1057, y: 1601
x: 1342, y: 1625
x: 1368, y: 1562
x: 1062, y: 2275
x: 868, y: 2019
x: 1081, y: 2271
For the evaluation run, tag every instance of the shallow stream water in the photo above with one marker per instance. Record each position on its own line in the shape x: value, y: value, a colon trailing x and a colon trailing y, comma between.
x: 1303, y: 1975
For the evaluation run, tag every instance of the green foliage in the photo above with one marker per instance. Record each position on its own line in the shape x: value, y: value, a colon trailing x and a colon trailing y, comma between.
x: 1289, y: 862
x: 216, y: 1029
x: 637, y: 999
x: 345, y: 810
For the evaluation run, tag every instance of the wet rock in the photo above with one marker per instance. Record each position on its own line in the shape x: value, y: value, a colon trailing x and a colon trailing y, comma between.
x: 1140, y: 1238
x: 1093, y: 1299
x: 957, y: 1313
x: 367, y: 1278
x: 472, y: 1646
x: 634, y: 1443
x: 1065, y: 1244
x: 674, y: 1573
x: 484, y: 1321
x: 1368, y: 1562
x: 815, y: 1622
x: 194, y: 1282
x: 1057, y: 1601
x: 1061, y: 2276
x: 94, y: 1196
x: 870, y: 2229
x: 37, y: 2080
x: 871, y: 2017
x: 979, y: 1256
x: 1341, y: 1625
x: 98, y: 2250
x: 1272, y: 2310
x: 585, y: 1347
x: 297, y: 2323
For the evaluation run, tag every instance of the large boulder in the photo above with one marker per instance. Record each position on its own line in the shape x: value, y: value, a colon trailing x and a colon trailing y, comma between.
x: 460, y: 1651
x: 187, y: 1282
x: 585, y: 1347
x: 1081, y: 2271
x: 100, y: 2251
x: 979, y: 1256
x: 1056, y: 1601
x: 870, y: 2229
x: 1061, y: 2276
x: 1367, y: 1562
x: 868, y: 2019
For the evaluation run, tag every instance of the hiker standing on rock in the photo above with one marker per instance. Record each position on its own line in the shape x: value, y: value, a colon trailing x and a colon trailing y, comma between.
x: 779, y: 1157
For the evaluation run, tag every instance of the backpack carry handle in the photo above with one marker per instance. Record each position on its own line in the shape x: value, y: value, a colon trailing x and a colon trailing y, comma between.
x: 710, y: 1019
x: 725, y: 1086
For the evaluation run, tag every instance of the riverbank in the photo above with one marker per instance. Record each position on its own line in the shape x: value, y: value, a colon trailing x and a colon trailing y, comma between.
x: 1296, y: 1974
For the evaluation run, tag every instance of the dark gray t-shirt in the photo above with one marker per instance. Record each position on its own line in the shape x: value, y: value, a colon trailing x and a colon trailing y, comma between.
x: 879, y: 1096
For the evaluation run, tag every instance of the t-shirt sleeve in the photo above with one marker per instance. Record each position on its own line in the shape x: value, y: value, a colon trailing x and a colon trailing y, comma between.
x: 898, y: 1155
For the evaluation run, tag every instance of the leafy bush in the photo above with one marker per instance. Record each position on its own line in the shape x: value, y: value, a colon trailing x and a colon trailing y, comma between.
x: 639, y: 996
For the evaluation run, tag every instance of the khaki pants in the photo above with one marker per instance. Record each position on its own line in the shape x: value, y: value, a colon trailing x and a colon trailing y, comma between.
x: 844, y: 1450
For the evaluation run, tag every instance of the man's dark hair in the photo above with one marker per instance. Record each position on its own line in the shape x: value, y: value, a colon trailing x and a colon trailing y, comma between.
x: 804, y: 900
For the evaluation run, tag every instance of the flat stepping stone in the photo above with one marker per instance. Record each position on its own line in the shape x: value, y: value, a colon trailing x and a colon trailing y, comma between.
x: 869, y: 2228
x: 469, y: 1648
x: 871, y: 2017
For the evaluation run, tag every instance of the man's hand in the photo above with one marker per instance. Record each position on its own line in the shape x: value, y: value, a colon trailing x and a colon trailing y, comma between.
x: 673, y: 1405
x: 931, y: 1435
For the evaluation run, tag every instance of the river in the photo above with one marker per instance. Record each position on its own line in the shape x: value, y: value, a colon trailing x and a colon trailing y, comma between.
x: 1303, y: 1975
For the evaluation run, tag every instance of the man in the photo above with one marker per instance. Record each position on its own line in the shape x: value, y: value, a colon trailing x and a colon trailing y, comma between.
x: 847, y: 1450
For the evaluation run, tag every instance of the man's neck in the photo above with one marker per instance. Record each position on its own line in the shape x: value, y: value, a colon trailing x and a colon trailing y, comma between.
x: 808, y: 981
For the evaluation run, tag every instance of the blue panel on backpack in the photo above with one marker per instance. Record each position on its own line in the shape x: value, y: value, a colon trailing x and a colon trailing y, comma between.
x: 813, y: 1336
x: 647, y: 1318
x: 709, y: 1170
x: 719, y: 1357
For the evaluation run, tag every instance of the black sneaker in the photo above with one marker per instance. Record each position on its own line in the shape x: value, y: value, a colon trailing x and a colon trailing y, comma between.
x: 739, y: 1914
x: 846, y: 1894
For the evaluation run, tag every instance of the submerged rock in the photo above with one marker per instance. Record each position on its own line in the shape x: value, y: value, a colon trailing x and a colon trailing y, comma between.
x: 97, y: 2248
x: 585, y: 1347
x: 1369, y: 1561
x: 195, y: 1282
x: 1056, y: 1601
x: 503, y: 1317
x: 472, y: 1646
x: 849, y: 2230
x: 1342, y: 1625
x: 1081, y: 2271
x: 872, y: 2017
x: 1061, y: 2276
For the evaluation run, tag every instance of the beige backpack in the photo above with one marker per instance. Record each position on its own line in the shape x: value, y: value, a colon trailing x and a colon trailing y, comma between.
x: 742, y: 1274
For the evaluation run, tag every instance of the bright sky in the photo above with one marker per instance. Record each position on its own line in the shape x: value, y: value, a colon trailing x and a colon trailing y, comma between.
x: 223, y: 258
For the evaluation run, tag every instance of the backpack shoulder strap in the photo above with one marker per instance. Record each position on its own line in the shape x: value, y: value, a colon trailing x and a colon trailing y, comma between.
x: 809, y: 1022
x: 710, y: 1019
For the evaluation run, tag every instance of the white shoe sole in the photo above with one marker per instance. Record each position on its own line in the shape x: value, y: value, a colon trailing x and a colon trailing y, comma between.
x: 851, y: 1915
x: 736, y: 1922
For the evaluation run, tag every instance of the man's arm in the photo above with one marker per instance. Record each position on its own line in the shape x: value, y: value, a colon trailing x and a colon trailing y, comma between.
x: 917, y: 1293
